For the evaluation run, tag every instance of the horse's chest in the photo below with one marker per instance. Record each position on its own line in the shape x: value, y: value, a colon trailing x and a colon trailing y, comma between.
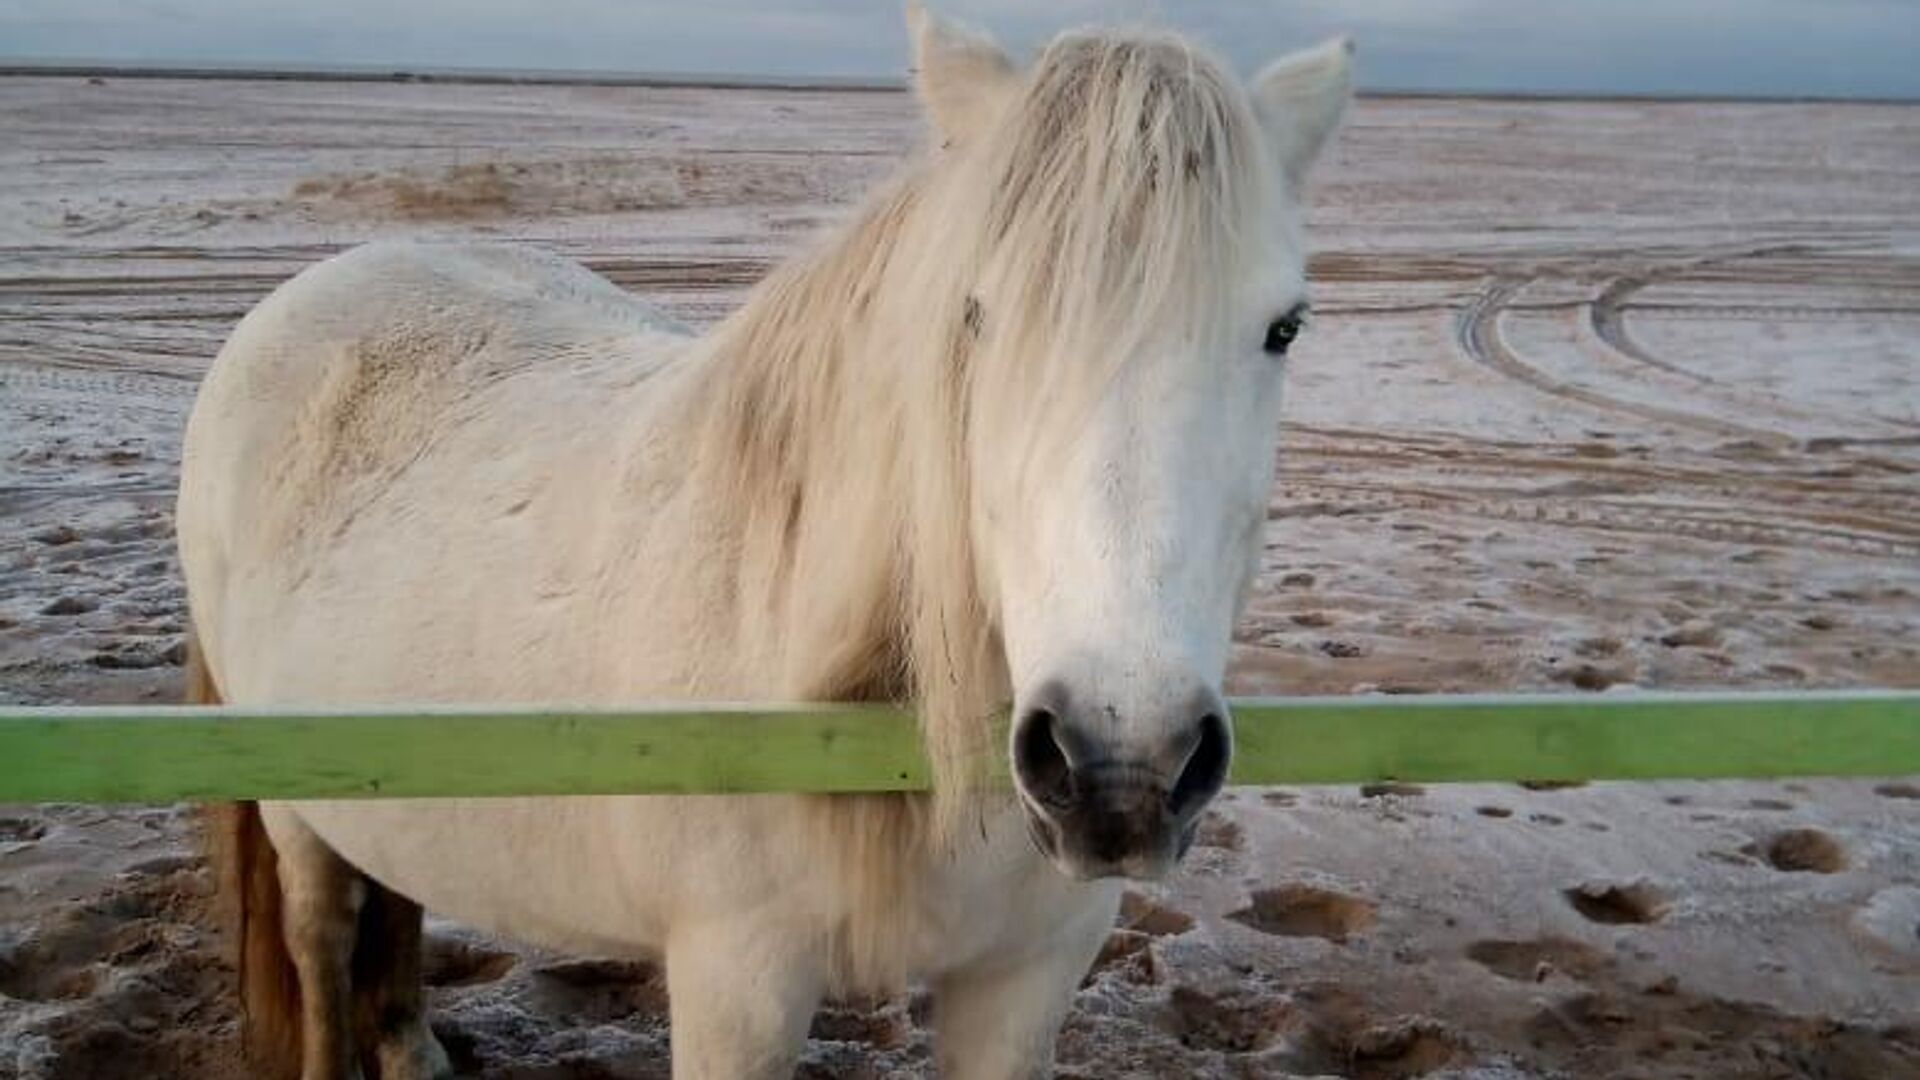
x: 1005, y: 901
x: 619, y: 876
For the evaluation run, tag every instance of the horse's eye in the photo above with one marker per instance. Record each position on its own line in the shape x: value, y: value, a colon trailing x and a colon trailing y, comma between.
x: 1282, y: 331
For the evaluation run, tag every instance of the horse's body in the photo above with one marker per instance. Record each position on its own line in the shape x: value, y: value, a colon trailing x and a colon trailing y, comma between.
x: 440, y: 473
x: 561, y: 390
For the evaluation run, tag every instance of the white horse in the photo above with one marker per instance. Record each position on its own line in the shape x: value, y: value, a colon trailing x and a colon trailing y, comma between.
x: 1005, y: 439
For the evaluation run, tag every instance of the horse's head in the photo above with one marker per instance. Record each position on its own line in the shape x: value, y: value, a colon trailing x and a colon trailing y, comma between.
x: 1126, y: 212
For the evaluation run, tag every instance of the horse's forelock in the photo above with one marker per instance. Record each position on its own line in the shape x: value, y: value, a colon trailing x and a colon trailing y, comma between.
x: 1117, y: 208
x: 1122, y: 188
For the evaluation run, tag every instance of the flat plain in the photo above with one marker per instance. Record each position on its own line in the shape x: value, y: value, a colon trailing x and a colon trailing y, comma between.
x: 1599, y: 395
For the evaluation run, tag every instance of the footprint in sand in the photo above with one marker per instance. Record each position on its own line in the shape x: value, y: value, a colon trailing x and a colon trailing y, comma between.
x: 1142, y: 919
x: 1617, y: 905
x: 1808, y: 850
x: 1125, y: 951
x: 1233, y: 1021
x: 1325, y: 1031
x: 21, y: 831
x: 1298, y: 910
x: 71, y: 604
x: 1589, y: 676
x: 1408, y: 1046
x: 39, y: 970
x: 73, y: 952
x: 1336, y: 1032
x: 1219, y: 831
x: 1145, y: 915
x: 1539, y: 959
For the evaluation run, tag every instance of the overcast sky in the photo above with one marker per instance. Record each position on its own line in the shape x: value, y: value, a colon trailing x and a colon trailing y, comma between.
x: 1849, y: 48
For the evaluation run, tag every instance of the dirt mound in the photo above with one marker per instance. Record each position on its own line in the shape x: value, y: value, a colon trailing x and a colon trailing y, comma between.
x: 603, y: 185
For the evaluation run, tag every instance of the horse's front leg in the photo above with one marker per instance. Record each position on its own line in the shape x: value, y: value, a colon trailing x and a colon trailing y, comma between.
x: 997, y: 1020
x: 740, y: 997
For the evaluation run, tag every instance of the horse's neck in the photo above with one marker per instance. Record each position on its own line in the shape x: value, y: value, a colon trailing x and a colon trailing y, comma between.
x: 832, y: 437
x: 799, y: 438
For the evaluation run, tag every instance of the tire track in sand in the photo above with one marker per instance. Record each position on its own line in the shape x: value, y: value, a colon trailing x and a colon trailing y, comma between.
x: 1856, y: 534
x: 1477, y: 331
x: 1607, y: 316
x: 1843, y: 501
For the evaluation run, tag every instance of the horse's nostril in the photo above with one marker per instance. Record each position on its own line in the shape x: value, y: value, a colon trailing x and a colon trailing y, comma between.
x: 1205, y: 771
x: 1040, y: 762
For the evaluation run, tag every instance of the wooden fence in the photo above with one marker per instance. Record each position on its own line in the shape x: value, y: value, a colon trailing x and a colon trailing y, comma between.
x: 163, y: 754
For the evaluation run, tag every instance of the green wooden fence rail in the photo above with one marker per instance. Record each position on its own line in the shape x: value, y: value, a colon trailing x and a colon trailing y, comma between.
x: 163, y: 754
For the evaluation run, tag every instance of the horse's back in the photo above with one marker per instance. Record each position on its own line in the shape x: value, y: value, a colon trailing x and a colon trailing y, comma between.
x: 375, y: 408
x: 388, y: 327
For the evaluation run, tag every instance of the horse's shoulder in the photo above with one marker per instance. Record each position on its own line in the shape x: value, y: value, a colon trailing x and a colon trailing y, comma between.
x: 353, y: 369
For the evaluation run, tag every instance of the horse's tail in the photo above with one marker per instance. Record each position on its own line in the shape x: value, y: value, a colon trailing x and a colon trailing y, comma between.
x: 247, y: 893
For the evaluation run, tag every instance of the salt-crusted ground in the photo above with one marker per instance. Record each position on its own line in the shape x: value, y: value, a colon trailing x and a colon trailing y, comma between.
x: 1600, y: 395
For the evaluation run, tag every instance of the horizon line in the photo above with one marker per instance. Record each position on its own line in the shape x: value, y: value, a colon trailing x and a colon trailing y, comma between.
x: 412, y: 73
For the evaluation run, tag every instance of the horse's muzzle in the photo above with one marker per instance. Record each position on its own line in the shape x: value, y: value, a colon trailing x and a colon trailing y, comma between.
x: 1095, y: 809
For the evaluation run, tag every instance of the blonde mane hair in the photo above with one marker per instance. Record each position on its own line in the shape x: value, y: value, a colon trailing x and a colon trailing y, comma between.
x: 1112, y: 203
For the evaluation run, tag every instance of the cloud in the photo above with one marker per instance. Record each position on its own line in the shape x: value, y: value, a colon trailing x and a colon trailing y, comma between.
x: 1779, y: 47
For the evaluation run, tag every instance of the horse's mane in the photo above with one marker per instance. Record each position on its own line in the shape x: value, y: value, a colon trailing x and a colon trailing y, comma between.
x: 1110, y: 205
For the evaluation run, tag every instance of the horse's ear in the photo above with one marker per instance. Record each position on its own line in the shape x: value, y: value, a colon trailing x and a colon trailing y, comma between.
x: 960, y: 75
x: 1300, y: 99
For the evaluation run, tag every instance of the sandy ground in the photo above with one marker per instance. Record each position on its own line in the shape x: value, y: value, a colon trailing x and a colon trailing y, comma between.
x: 1600, y: 396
